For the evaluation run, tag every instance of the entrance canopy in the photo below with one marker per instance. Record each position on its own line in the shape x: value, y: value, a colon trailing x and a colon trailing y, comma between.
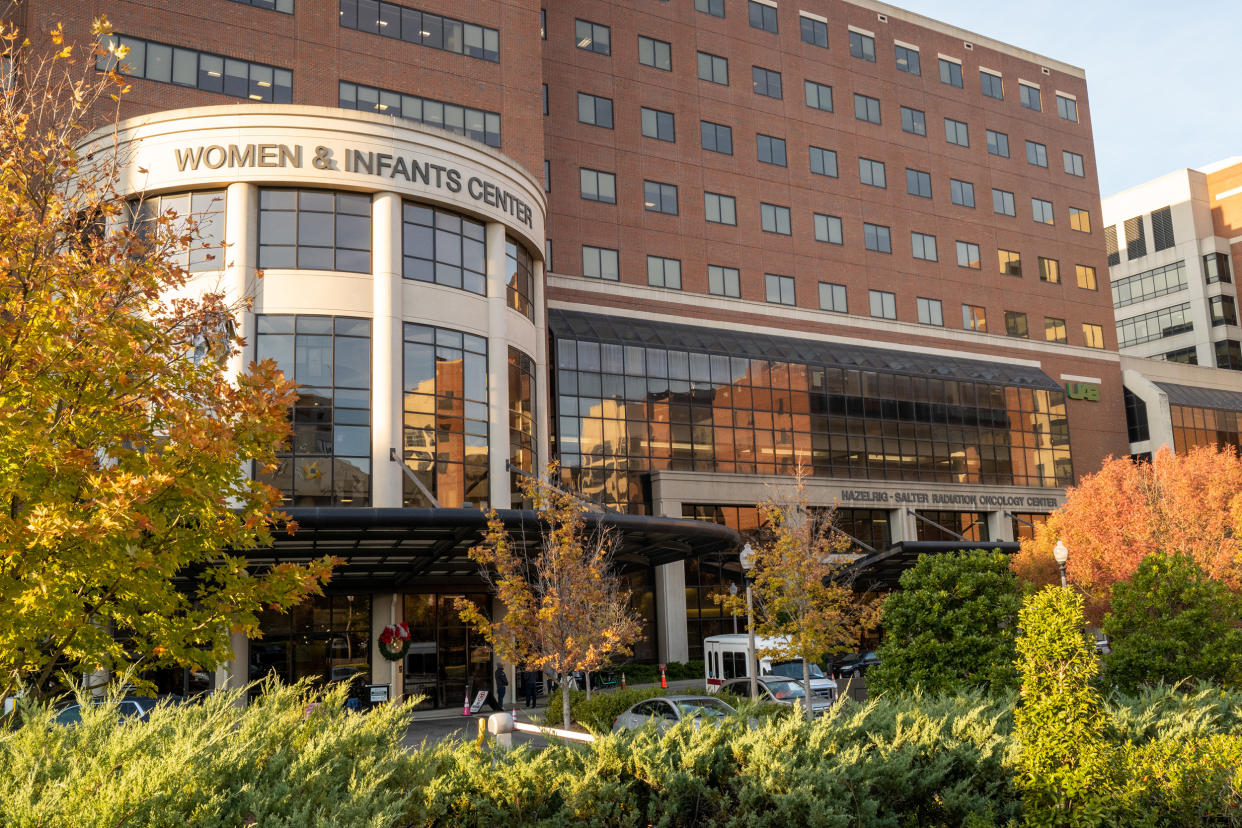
x: 394, y: 549
x: 881, y: 571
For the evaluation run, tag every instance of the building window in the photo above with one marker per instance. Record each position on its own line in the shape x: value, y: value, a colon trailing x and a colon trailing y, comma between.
x: 779, y: 289
x: 1002, y: 202
x: 600, y: 263
x: 923, y: 246
x: 823, y: 161
x: 598, y: 186
x: 1162, y: 229
x: 1186, y: 356
x: 475, y: 124
x: 930, y: 312
x: 723, y: 281
x: 968, y: 255
x: 519, y: 278
x: 918, y: 183
x: 998, y: 143
x: 913, y: 121
x: 1110, y: 242
x: 1036, y: 154
x: 956, y: 132
x: 819, y: 96
x: 327, y: 459
x: 883, y: 304
x: 1136, y: 417
x: 664, y: 273
x: 1015, y: 324
x: 543, y: 24
x: 1216, y: 268
x: 1029, y: 96
x: 314, y: 230
x: 1159, y: 324
x: 1067, y: 108
x: 1086, y: 277
x: 1136, y: 238
x: 862, y: 46
x: 974, y: 318
x: 871, y: 173
x: 832, y: 297
x: 827, y: 228
x: 876, y: 237
x: 866, y: 108
x: 1049, y: 271
x: 522, y: 441
x: 1041, y: 211
x: 713, y: 68
x: 655, y: 53
x: 1010, y: 262
x: 715, y: 8
x: 991, y: 85
x: 766, y: 82
x: 770, y: 150
x: 1080, y: 220
x: 716, y: 137
x: 198, y: 70
x: 962, y: 193
x: 762, y: 16
x: 720, y: 209
x: 445, y: 417
x: 814, y: 32
x: 659, y: 197
x: 1073, y: 163
x: 595, y: 110
x: 951, y: 73
x: 907, y: 59
x: 774, y: 219
x: 547, y: 176
x: 443, y: 247
x: 1149, y: 284
x: 1223, y: 311
x: 657, y: 124
x: 1054, y: 330
x: 593, y: 37
x: 204, y: 208
x: 282, y: 6
x: 1092, y: 335
x: 413, y: 26
x: 1228, y: 354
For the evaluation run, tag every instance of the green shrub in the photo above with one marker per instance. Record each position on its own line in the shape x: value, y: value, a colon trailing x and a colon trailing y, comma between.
x: 1185, y: 782
x: 650, y: 673
x: 597, y: 713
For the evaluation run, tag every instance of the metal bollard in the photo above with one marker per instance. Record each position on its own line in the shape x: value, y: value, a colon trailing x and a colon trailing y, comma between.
x: 500, y: 725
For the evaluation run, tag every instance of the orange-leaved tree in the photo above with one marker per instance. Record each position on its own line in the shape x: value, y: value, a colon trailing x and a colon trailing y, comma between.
x: 1178, y: 503
x: 124, y: 438
x: 565, y: 607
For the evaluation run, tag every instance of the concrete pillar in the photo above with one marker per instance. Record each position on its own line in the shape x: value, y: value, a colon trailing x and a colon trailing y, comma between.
x: 670, y: 593
x: 1000, y: 526
x: 234, y: 674
x: 499, y: 492
x: 240, y: 258
x: 901, y: 525
x: 386, y: 608
x: 543, y: 403
x: 386, y: 372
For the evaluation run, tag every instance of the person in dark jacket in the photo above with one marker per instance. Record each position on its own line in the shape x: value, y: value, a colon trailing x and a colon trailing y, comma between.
x: 502, y: 684
x: 530, y: 686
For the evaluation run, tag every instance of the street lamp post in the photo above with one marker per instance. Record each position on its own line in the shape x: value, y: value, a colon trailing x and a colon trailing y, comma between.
x: 1061, y: 553
x: 733, y: 592
x: 747, y: 558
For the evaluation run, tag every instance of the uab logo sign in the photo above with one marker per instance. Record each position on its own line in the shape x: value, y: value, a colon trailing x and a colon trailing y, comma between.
x: 1082, y: 391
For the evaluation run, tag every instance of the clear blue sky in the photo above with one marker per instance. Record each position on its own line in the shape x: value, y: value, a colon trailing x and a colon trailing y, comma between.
x: 1162, y: 76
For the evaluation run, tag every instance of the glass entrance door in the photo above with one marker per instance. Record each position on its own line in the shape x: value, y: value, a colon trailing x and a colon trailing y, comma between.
x: 448, y: 660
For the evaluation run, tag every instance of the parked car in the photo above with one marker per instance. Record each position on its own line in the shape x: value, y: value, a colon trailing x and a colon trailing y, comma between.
x: 856, y: 664
x: 666, y: 711
x: 130, y: 707
x: 822, y: 687
x: 776, y: 690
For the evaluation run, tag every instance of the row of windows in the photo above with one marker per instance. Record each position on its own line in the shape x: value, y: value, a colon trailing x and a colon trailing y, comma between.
x: 283, y: 6
x: 1148, y: 327
x: 423, y: 28
x: 160, y: 62
x: 1149, y: 284
x: 476, y: 124
x: 814, y: 31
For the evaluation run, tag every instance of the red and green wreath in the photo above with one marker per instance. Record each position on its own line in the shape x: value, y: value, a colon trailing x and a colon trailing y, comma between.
x: 394, y: 641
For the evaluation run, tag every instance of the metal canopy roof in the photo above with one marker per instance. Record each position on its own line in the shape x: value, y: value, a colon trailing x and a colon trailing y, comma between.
x: 726, y: 341
x: 1202, y: 397
x: 881, y: 572
x: 392, y: 549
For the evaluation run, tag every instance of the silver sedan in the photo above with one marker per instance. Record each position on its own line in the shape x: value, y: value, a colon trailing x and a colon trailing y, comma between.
x: 666, y: 711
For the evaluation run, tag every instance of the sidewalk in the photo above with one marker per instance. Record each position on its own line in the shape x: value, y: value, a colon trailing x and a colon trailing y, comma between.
x: 537, y: 713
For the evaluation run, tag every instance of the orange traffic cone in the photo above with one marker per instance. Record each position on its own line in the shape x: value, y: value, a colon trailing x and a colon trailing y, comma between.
x: 623, y: 681
x: 663, y: 679
x: 465, y: 708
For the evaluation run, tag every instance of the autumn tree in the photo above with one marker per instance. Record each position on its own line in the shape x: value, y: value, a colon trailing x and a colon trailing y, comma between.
x: 565, y: 607
x: 1178, y: 503
x: 124, y: 440
x: 797, y: 605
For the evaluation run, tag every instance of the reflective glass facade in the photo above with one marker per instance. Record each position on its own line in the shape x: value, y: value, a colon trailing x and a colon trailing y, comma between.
x: 327, y: 462
x: 315, y: 230
x: 446, y: 656
x: 443, y: 247
x: 520, y: 278
x: 205, y: 209
x: 445, y: 409
x: 521, y: 419
x: 326, y: 637
x: 1193, y: 426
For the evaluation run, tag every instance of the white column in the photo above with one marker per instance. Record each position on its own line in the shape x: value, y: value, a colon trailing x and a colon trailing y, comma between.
x: 901, y: 525
x: 1000, y: 525
x: 240, y: 258
x: 235, y: 673
x: 499, y: 494
x: 386, y: 608
x: 543, y: 404
x: 386, y: 283
x: 670, y: 595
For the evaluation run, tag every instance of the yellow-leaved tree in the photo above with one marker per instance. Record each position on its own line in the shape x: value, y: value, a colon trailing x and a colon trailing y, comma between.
x: 565, y: 607
x: 124, y: 438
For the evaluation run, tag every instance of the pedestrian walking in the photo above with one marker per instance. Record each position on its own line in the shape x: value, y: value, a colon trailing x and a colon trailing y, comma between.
x: 502, y: 684
x: 530, y: 686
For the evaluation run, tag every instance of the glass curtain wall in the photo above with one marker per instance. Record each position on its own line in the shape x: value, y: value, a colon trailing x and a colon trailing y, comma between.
x: 1193, y: 426
x: 201, y: 212
x: 326, y: 638
x: 521, y: 422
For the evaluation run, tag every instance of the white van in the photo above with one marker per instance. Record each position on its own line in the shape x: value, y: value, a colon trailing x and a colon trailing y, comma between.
x: 728, y: 656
